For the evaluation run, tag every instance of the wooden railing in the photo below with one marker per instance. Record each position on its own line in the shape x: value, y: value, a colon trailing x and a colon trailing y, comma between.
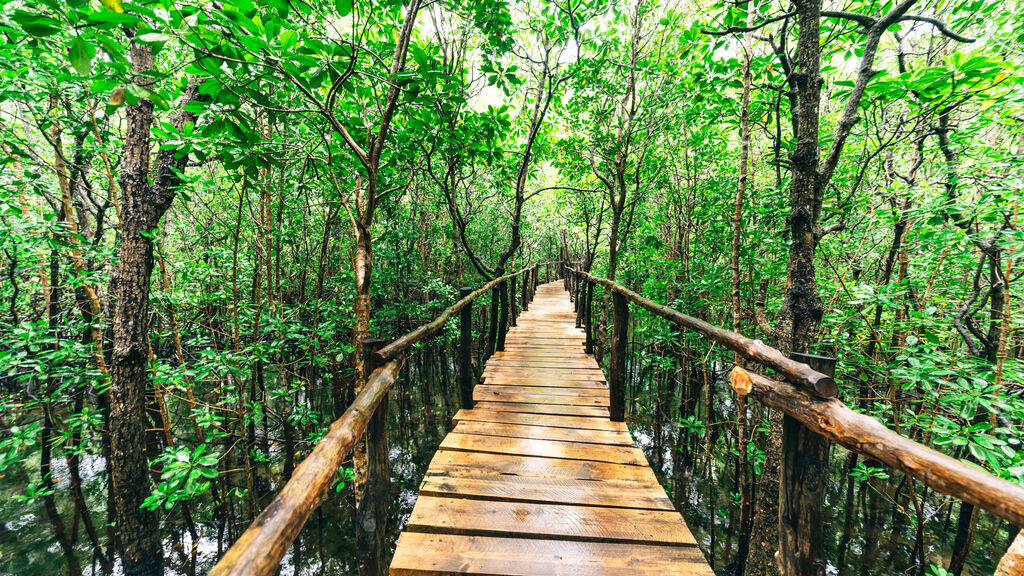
x: 264, y: 543
x: 806, y: 399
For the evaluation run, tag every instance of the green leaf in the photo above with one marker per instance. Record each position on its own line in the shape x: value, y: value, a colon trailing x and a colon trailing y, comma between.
x: 36, y: 25
x: 344, y: 7
x: 288, y: 38
x: 80, y: 58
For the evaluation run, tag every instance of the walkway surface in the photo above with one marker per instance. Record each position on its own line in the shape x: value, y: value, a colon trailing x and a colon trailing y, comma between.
x: 535, y: 479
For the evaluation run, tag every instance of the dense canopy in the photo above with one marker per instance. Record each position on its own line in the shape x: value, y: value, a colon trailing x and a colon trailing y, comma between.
x: 206, y: 208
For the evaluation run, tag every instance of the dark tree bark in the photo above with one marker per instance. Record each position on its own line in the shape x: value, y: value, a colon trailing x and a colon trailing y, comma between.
x: 800, y: 315
x: 143, y: 204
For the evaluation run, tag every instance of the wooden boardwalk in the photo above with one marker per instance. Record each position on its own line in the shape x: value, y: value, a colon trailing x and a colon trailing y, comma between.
x: 535, y: 480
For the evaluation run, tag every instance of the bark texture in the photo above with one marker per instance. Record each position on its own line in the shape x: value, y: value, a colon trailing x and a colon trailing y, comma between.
x: 143, y: 203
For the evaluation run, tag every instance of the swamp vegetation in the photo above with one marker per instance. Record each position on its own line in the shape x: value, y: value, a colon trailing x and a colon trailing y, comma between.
x: 206, y: 209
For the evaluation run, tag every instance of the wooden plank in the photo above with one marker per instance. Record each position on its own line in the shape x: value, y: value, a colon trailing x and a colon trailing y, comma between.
x: 551, y: 333
x: 546, y: 448
x: 520, y: 350
x: 478, y: 415
x: 545, y: 433
x: 559, y: 409
x: 455, y: 463
x: 491, y: 394
x: 555, y: 363
x: 506, y: 380
x: 548, y: 390
x: 545, y: 373
x: 548, y: 332
x: 545, y: 356
x: 522, y: 344
x: 535, y: 327
x: 572, y: 344
x: 559, y: 521
x: 539, y: 352
x: 539, y: 490
x: 549, y: 372
x: 421, y: 554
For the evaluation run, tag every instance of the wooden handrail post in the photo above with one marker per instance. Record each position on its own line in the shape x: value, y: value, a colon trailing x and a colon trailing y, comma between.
x: 576, y: 290
x: 536, y: 279
x: 512, y: 301
x: 465, y: 375
x: 492, y: 324
x: 588, y: 318
x: 581, y: 299
x: 617, y: 362
x: 502, y: 316
x: 372, y: 515
x: 526, y: 291
x: 802, y: 485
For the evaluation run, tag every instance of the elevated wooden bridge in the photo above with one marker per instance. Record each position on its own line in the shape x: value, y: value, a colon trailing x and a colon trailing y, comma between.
x: 536, y: 479
x: 540, y: 474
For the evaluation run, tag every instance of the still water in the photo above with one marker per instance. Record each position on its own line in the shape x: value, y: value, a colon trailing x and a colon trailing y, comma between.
x: 418, y: 422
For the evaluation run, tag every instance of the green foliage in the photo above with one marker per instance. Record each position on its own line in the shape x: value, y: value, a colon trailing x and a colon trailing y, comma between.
x: 186, y: 474
x: 252, y: 300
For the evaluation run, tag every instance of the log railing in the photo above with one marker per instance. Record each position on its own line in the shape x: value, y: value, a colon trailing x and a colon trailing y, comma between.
x: 806, y: 399
x: 264, y: 543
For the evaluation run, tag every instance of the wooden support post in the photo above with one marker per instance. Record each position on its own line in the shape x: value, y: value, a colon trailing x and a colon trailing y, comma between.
x: 492, y: 324
x: 465, y: 374
x: 617, y: 362
x: 536, y: 281
x: 588, y: 318
x: 802, y: 487
x: 581, y: 299
x: 512, y: 301
x: 526, y: 291
x: 502, y: 316
x: 570, y: 280
x: 372, y: 515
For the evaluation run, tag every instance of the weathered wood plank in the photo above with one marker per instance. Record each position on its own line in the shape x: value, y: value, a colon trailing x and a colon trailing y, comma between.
x: 546, y: 448
x: 558, y: 409
x: 444, y: 554
x: 545, y: 433
x: 550, y: 373
x: 553, y: 363
x: 557, y: 521
x: 455, y: 463
x: 507, y: 380
x: 547, y: 490
x: 480, y: 415
x: 545, y: 390
x: 492, y: 394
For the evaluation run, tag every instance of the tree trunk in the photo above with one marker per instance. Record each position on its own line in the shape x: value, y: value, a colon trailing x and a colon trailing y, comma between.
x: 143, y: 204
x: 743, y: 542
x: 138, y: 528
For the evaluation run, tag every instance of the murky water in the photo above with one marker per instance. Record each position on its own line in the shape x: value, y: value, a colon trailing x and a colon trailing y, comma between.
x: 418, y: 422
x: 702, y: 480
x: 885, y: 547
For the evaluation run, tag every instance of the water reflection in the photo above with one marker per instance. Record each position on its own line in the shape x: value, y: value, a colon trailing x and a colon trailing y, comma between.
x: 868, y: 532
x: 422, y: 405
